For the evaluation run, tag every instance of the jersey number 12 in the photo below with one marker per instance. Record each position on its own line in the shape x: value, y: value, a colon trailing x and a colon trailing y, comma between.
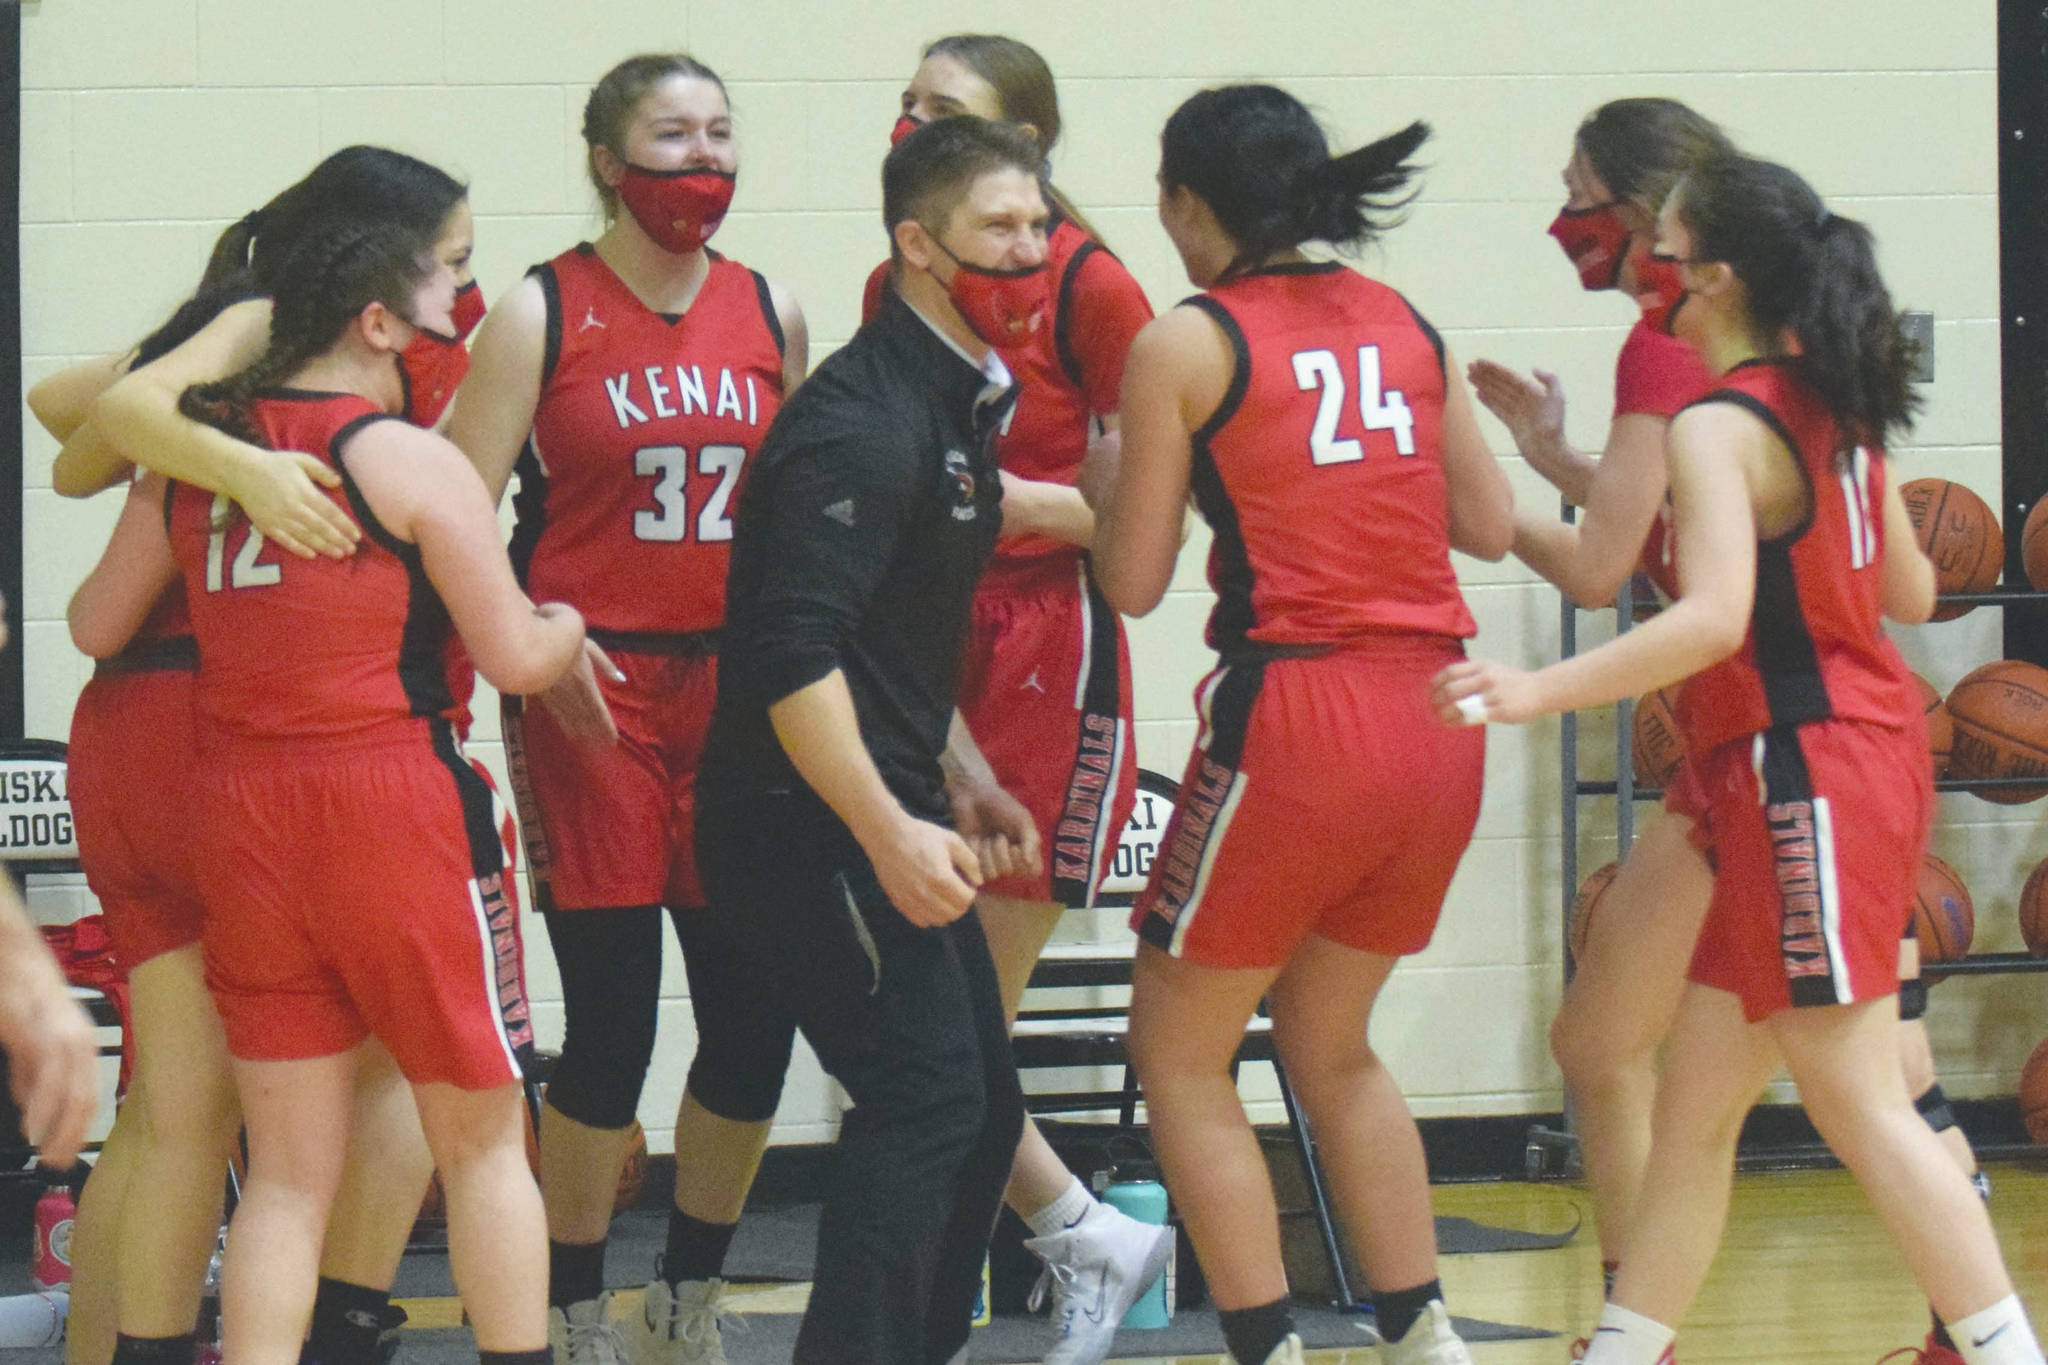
x: 1381, y: 410
x: 246, y: 572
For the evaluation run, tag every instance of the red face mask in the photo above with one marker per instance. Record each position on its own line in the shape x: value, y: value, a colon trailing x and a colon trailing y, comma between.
x: 1659, y: 290
x: 433, y: 365
x: 905, y: 126
x: 1596, y: 240
x: 1005, y: 308
x: 678, y: 209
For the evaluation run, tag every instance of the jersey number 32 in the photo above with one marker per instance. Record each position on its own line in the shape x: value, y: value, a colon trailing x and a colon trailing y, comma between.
x: 669, y: 466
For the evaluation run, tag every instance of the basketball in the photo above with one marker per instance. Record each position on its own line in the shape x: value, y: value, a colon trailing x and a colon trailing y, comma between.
x: 1584, y: 904
x: 2000, y: 718
x: 2034, y: 1093
x: 1656, y: 748
x: 1944, y: 920
x: 2033, y: 920
x: 2034, y: 545
x: 1941, y: 730
x: 633, y: 1172
x: 1959, y: 532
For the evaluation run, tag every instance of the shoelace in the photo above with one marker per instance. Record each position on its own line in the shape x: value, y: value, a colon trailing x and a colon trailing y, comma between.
x: 1056, y: 1278
x: 601, y: 1342
x: 706, y: 1323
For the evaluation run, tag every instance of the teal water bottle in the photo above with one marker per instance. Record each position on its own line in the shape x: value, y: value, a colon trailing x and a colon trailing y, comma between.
x: 1145, y: 1200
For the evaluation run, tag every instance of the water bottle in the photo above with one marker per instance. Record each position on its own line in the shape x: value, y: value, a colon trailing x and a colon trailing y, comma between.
x: 30, y: 1320
x: 50, y: 1261
x: 1145, y: 1200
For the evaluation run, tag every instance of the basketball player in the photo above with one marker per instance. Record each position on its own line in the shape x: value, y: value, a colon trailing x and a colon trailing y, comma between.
x: 1625, y: 986
x: 1045, y: 687
x: 152, y: 1204
x: 1330, y: 443
x: 1805, y: 732
x: 353, y: 873
x: 630, y: 380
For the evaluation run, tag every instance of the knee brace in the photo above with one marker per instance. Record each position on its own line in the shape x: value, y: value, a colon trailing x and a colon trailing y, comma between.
x: 1935, y: 1108
x: 1912, y: 999
x: 743, y: 1039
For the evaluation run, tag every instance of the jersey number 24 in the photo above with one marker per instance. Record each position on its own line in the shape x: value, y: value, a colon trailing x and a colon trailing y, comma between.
x: 1380, y: 409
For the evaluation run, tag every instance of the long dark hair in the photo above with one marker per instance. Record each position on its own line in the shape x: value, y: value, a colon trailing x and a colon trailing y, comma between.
x: 1261, y: 162
x: 364, y: 181
x: 1640, y: 147
x: 1813, y: 273
x: 1024, y: 87
x: 329, y: 276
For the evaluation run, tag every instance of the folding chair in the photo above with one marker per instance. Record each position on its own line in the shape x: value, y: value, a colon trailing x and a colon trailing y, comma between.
x: 1055, y: 1035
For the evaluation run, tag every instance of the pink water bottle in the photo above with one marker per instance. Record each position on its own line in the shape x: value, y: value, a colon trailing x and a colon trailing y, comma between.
x: 50, y: 1265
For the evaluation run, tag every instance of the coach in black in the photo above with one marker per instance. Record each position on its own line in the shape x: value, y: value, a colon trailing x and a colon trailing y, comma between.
x: 826, y: 829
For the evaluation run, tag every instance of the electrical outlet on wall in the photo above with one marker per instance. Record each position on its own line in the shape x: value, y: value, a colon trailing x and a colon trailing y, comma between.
x: 1919, y: 327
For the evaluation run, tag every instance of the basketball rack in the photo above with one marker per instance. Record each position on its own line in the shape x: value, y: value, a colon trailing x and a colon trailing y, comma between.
x: 1552, y: 1152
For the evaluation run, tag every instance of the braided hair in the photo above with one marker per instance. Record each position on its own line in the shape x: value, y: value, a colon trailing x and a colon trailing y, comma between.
x: 320, y: 286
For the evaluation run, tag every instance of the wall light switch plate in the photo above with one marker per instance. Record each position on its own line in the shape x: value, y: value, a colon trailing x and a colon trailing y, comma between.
x: 1919, y: 326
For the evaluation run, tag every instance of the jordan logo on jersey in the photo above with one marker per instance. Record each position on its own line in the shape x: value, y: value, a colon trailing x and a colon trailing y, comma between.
x: 1032, y: 684
x: 590, y: 320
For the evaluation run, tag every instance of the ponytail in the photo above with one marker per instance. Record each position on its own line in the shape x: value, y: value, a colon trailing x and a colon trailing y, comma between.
x: 1260, y: 161
x: 1812, y: 273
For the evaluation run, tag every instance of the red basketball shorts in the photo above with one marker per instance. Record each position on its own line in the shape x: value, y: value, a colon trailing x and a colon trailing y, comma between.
x: 131, y: 756
x: 611, y: 826
x: 1324, y: 797
x: 358, y: 891
x: 1816, y: 836
x: 1045, y: 689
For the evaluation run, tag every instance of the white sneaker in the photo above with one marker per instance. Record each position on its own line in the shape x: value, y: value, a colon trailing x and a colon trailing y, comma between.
x: 1096, y: 1270
x: 1429, y: 1342
x: 1288, y: 1352
x: 683, y: 1327
x: 585, y: 1334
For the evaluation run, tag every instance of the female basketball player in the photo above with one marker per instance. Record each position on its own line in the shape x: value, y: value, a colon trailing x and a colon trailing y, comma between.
x: 152, y: 1205
x: 1804, y: 729
x: 1045, y: 688
x: 1332, y: 447
x: 1624, y: 990
x: 352, y: 871
x: 631, y: 379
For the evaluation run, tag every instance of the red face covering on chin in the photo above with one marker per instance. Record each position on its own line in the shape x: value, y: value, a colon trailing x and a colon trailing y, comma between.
x: 678, y: 209
x: 1596, y: 240
x: 1005, y: 308
x: 1659, y: 290
x: 433, y: 365
x: 905, y: 126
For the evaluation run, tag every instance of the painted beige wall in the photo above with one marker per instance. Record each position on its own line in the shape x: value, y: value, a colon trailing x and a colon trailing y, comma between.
x: 148, y: 124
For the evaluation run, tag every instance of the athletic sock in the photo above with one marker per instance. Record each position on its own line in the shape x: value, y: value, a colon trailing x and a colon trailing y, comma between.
x: 1939, y: 1335
x: 1998, y: 1335
x: 543, y: 1356
x: 1394, y: 1313
x: 696, y: 1249
x: 1625, y: 1338
x: 1608, y: 1270
x: 154, y: 1350
x: 1252, y: 1333
x: 575, y: 1272
x: 1062, y: 1213
x: 347, y: 1320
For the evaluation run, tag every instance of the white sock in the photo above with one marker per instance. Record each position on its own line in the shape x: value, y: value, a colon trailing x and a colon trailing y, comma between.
x: 1998, y: 1335
x: 1062, y: 1213
x: 1625, y: 1338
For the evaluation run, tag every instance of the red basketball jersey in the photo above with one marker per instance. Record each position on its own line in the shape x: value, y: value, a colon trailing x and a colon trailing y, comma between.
x: 1658, y: 375
x: 1816, y: 647
x: 1068, y: 375
x: 325, y: 649
x: 1321, y: 472
x: 645, y: 425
